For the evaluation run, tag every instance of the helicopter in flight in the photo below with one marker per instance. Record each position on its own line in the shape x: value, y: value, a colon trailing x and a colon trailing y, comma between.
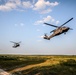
x: 59, y: 30
x: 16, y: 44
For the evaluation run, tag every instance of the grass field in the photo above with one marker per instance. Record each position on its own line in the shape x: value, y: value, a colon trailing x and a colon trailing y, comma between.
x: 38, y: 64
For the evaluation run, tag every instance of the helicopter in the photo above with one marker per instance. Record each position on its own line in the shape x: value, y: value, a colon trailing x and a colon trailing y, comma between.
x: 16, y: 44
x: 59, y: 30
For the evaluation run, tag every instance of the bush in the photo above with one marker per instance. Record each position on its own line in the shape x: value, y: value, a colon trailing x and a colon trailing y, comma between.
x: 70, y: 62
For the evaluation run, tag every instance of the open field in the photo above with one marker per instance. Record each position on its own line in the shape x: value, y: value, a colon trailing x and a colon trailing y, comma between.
x: 38, y: 64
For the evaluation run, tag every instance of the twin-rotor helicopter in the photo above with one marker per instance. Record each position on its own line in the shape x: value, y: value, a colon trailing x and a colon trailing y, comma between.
x: 59, y: 30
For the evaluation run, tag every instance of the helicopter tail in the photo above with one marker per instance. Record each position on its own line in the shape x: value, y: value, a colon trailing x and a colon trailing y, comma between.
x: 46, y: 37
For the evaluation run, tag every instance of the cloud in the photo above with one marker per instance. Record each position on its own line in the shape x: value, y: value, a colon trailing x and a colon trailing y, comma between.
x: 8, y: 6
x: 54, y: 4
x: 42, y: 36
x: 18, y: 2
x: 46, y: 19
x: 27, y: 4
x: 20, y: 25
x: 57, y: 22
x: 16, y: 5
x: 42, y: 6
x: 45, y: 11
x: 33, y: 1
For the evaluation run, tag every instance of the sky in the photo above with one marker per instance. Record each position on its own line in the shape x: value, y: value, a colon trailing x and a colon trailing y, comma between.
x: 22, y: 20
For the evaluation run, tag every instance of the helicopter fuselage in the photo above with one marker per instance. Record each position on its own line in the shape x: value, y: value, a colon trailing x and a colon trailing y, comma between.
x: 16, y: 45
x: 60, y: 30
x: 57, y: 32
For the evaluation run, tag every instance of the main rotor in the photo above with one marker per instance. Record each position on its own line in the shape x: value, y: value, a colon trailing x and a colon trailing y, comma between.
x: 60, y: 25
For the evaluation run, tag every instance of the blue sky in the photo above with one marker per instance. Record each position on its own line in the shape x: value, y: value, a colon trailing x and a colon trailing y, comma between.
x: 22, y: 20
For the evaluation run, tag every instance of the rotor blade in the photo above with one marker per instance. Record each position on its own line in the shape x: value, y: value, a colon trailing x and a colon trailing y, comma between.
x: 52, y: 31
x: 66, y: 22
x: 19, y: 42
x: 51, y: 25
x: 12, y: 42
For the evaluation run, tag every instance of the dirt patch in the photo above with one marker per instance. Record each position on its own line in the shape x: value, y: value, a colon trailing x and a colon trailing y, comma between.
x: 46, y: 63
